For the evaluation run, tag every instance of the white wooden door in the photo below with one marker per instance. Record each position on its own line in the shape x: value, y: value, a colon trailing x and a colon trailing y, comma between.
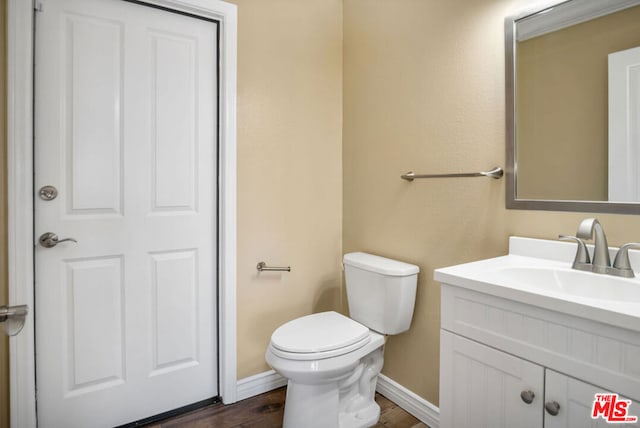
x: 480, y: 387
x: 624, y: 126
x: 576, y: 403
x: 126, y: 130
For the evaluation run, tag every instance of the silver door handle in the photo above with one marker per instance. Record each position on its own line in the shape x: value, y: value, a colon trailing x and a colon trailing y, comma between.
x: 50, y: 240
x: 13, y: 317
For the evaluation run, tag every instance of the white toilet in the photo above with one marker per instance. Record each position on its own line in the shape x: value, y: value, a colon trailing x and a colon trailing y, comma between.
x: 332, y: 362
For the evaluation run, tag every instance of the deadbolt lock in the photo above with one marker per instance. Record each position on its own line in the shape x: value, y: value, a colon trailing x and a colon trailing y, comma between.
x: 48, y: 193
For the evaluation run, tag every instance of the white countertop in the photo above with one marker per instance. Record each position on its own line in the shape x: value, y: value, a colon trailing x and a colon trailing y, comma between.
x: 488, y: 276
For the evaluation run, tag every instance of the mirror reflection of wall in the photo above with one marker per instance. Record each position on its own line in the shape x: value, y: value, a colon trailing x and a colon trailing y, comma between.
x: 562, y: 107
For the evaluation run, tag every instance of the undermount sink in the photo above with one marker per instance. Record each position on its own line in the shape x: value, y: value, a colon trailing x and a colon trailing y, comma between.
x: 572, y: 282
x: 538, y: 272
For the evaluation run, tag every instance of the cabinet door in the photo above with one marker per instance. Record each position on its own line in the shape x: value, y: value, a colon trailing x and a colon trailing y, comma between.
x: 576, y: 403
x: 480, y: 387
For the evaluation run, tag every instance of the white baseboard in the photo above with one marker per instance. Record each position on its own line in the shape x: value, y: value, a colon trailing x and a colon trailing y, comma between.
x: 409, y: 401
x: 259, y: 384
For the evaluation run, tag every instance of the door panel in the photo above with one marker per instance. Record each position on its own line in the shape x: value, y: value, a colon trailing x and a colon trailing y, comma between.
x: 173, y: 128
x: 481, y: 386
x: 93, y: 290
x: 125, y: 129
x: 174, y: 290
x: 95, y: 127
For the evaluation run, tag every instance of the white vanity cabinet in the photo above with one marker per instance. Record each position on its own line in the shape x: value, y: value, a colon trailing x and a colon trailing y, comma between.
x: 502, y: 360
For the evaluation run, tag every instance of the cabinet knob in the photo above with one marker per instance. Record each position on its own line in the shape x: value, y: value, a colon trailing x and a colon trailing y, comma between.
x: 552, y: 407
x: 527, y: 396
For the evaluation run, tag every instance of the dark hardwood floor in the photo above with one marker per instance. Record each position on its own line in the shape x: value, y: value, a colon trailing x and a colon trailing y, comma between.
x: 266, y: 411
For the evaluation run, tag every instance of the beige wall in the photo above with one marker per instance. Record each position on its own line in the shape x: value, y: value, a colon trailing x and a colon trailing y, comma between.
x: 289, y: 166
x: 563, y: 107
x: 424, y: 91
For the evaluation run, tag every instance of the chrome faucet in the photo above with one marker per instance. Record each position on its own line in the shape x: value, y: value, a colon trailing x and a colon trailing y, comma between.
x: 600, y: 262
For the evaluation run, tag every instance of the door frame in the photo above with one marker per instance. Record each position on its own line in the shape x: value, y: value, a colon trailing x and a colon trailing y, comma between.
x: 20, y: 92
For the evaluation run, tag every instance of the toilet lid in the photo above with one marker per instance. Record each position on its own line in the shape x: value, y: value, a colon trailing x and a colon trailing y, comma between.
x: 320, y: 332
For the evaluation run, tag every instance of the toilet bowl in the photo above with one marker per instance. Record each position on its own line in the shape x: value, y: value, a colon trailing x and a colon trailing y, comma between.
x: 325, y: 386
x: 332, y: 361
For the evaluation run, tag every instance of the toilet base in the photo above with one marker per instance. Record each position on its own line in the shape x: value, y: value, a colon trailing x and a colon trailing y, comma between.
x: 366, y: 417
x: 316, y: 405
x: 348, y: 402
x: 311, y: 406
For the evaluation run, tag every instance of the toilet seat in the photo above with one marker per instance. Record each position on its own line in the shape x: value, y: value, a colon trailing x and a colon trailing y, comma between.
x: 318, y: 336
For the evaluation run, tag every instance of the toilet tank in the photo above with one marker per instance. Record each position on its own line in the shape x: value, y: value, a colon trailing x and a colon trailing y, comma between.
x: 381, y: 292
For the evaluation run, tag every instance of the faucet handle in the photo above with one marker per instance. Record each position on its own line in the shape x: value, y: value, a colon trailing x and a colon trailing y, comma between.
x: 582, y: 260
x: 621, y: 264
x: 585, y: 228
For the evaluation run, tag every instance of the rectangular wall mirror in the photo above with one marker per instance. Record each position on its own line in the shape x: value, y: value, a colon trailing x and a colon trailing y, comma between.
x: 573, y: 107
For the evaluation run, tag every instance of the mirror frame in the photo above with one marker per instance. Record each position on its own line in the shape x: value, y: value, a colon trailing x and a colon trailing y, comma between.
x: 512, y: 200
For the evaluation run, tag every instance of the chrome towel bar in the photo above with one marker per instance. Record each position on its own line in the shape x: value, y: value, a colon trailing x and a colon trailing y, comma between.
x: 262, y: 267
x: 496, y: 173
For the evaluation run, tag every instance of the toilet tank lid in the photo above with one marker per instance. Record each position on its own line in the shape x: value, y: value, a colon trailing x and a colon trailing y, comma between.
x: 380, y: 265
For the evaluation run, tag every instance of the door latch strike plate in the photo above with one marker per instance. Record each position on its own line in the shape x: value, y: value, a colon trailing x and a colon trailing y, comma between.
x: 38, y: 5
